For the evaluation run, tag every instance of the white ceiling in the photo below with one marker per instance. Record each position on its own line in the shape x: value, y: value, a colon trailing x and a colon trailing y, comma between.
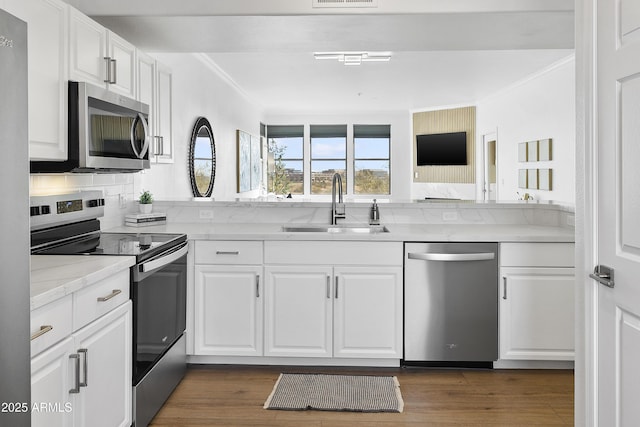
x: 444, y: 52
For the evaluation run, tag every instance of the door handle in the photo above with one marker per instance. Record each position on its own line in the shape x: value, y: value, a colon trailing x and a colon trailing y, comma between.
x: 604, y: 275
x: 504, y: 287
x: 481, y: 256
x: 76, y: 358
x: 85, y: 366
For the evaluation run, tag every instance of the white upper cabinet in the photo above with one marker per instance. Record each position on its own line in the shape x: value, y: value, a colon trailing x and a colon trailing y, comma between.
x: 100, y: 57
x: 163, y: 149
x: 154, y: 89
x: 47, y: 32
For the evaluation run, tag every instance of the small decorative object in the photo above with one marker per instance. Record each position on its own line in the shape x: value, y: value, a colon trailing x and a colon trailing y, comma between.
x: 544, y: 150
x: 532, y: 151
x: 145, y: 202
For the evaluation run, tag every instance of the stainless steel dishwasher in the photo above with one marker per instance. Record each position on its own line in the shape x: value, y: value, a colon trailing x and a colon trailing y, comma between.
x: 451, y: 304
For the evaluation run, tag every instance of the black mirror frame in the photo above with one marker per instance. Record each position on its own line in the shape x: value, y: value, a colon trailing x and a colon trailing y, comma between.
x: 200, y: 123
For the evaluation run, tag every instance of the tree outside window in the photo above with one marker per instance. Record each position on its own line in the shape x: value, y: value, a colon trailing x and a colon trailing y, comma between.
x: 285, y: 165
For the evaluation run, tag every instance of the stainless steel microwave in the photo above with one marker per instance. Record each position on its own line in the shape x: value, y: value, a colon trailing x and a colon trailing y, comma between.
x: 107, y: 133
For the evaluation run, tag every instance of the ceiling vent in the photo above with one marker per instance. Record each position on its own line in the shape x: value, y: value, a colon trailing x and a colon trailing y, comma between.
x: 345, y: 3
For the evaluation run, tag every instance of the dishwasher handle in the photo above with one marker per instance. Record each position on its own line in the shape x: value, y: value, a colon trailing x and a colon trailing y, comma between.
x: 478, y: 256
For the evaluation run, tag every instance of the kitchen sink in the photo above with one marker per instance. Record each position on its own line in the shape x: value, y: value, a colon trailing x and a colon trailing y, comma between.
x: 348, y: 229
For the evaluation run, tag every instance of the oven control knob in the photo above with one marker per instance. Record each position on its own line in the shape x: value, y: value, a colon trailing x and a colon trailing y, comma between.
x: 34, y: 210
x: 45, y: 210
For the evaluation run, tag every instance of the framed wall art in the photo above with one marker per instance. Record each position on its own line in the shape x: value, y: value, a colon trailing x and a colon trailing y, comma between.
x: 249, y: 161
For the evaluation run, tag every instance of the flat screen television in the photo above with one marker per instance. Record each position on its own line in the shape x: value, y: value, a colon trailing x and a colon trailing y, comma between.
x: 441, y: 149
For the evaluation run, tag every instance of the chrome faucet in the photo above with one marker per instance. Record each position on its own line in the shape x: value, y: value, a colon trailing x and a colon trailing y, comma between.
x: 337, y: 209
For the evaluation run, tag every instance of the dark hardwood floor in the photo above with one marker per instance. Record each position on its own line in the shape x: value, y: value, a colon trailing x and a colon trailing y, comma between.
x: 234, y: 396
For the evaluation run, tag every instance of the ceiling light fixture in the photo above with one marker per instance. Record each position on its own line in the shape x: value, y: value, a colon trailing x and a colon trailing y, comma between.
x: 354, y: 58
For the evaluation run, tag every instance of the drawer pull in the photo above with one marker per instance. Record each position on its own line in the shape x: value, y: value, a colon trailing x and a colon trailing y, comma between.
x: 111, y: 295
x: 86, y: 366
x: 43, y: 330
x: 227, y: 252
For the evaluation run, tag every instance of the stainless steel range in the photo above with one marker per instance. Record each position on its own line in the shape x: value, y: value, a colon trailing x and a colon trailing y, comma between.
x: 68, y: 224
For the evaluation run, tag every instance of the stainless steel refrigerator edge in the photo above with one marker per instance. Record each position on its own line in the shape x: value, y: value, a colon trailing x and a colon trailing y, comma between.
x: 15, y: 365
x: 451, y: 303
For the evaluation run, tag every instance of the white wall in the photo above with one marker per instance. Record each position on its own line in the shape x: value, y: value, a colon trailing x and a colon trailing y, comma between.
x: 400, y: 122
x: 542, y: 106
x: 198, y: 90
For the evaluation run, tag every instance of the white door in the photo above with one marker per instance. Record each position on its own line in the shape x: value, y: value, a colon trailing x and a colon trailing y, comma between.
x: 617, y: 231
x: 489, y: 178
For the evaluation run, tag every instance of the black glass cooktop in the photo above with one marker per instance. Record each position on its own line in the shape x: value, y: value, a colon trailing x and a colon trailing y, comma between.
x: 93, y: 242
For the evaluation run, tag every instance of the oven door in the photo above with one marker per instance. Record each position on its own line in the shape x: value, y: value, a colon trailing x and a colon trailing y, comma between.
x: 159, y: 294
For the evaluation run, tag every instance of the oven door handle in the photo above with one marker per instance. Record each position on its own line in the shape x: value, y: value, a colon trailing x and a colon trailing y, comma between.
x: 163, y: 260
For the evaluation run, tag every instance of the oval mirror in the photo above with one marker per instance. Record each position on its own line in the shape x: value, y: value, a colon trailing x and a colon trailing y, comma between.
x: 202, y: 159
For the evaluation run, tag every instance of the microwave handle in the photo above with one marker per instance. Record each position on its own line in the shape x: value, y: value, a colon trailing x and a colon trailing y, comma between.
x: 147, y: 137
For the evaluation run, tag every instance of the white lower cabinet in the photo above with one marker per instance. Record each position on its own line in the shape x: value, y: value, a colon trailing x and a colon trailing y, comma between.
x: 298, y: 311
x: 228, y: 298
x: 104, y: 350
x: 333, y: 299
x: 51, y: 378
x: 228, y: 310
x: 537, y: 301
x: 368, y: 312
x: 85, y: 379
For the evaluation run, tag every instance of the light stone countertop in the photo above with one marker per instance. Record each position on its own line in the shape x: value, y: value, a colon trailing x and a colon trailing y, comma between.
x: 55, y: 276
x: 397, y: 232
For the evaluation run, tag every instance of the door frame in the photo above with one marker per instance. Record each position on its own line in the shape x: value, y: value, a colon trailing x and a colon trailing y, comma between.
x: 486, y: 138
x: 585, y: 390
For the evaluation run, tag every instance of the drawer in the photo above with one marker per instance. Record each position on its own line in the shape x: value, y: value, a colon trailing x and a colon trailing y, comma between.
x: 537, y: 254
x: 99, y: 299
x: 228, y: 252
x: 333, y: 253
x: 51, y: 323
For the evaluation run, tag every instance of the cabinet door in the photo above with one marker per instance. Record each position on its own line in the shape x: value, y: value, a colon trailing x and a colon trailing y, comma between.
x: 537, y: 314
x: 368, y: 312
x: 298, y: 311
x: 163, y: 149
x: 104, y: 347
x: 88, y: 50
x: 123, y: 71
x: 47, y: 29
x: 52, y: 376
x: 228, y: 310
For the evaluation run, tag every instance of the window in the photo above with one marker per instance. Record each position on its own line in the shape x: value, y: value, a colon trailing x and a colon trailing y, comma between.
x: 285, y: 165
x: 328, y: 156
x: 371, y: 159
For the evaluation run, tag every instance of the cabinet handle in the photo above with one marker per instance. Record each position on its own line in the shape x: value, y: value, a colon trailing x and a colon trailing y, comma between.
x: 328, y: 287
x: 258, y: 286
x: 76, y: 389
x: 43, y: 330
x: 85, y: 365
x: 115, y: 70
x: 159, y: 145
x: 227, y: 252
x: 504, y: 287
x: 108, y: 73
x: 336, y: 287
x: 111, y: 295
